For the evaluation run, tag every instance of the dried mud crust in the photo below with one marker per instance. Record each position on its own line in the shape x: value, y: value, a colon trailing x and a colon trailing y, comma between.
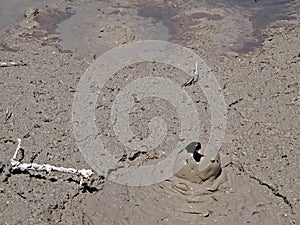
x: 143, y: 111
x: 260, y: 154
x: 38, y: 98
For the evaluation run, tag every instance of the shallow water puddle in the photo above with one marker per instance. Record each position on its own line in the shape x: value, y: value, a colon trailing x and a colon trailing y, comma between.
x: 97, y: 26
x: 239, y: 25
x: 262, y: 14
x: 245, y: 19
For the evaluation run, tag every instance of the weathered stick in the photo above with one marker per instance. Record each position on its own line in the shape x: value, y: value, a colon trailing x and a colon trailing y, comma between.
x: 8, y: 64
x: 194, y: 79
x: 44, y: 167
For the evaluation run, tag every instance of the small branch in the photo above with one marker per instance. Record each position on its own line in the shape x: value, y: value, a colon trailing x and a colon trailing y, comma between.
x: 17, y: 149
x: 8, y: 115
x: 9, y: 64
x: 16, y: 165
x: 194, y: 79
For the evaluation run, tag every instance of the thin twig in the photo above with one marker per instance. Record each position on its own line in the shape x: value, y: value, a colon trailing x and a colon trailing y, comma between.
x: 9, y: 64
x: 194, y: 79
x: 16, y: 165
x: 8, y: 115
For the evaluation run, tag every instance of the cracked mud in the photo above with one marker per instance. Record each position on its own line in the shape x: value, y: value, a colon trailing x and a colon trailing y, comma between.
x: 256, y: 175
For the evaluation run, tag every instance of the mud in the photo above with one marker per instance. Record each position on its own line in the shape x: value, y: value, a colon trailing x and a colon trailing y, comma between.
x: 254, y: 179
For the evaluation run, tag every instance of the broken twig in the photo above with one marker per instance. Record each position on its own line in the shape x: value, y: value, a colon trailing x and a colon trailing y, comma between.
x: 9, y: 64
x: 194, y: 79
x: 8, y: 115
x: 16, y: 165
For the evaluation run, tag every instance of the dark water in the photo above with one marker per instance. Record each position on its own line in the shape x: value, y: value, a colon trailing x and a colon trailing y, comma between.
x: 261, y: 14
x: 242, y: 37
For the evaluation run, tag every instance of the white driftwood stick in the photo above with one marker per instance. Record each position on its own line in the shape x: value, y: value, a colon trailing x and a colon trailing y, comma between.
x: 44, y: 167
x: 196, y: 76
x: 8, y: 64
x: 194, y: 79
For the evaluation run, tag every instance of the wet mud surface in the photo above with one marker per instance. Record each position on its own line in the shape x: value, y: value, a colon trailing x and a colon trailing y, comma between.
x: 256, y: 60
